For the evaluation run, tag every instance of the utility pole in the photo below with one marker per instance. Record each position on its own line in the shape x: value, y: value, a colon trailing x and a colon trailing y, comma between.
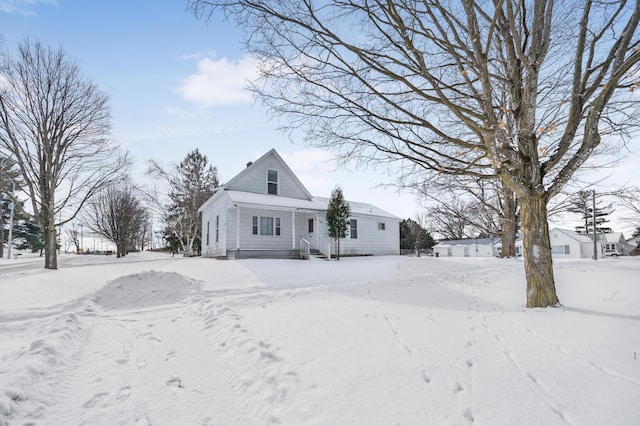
x: 595, y: 236
x: 12, y: 207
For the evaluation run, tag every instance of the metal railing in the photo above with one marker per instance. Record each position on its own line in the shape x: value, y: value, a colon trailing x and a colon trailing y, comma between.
x: 305, y: 249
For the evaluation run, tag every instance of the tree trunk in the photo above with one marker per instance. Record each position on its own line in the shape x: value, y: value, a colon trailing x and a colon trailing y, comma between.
x: 1, y: 235
x: 50, y: 243
x: 538, y: 264
x: 509, y: 223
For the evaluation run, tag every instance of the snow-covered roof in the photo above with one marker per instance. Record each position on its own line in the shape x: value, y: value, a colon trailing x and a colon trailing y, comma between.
x: 572, y: 234
x: 286, y: 203
x: 614, y: 237
x: 469, y: 242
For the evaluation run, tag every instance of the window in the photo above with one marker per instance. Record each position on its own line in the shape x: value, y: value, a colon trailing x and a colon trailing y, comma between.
x: 353, y: 229
x: 449, y: 251
x: 382, y: 226
x: 207, y: 232
x: 466, y: 252
x: 266, y: 225
x: 217, y: 229
x: 272, y: 182
x: 311, y: 226
x: 560, y: 249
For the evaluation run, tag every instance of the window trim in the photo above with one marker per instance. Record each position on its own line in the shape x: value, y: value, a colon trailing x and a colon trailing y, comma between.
x: 353, y: 230
x: 261, y: 225
x: 207, y: 232
x: 274, y: 183
x: 217, y: 229
x: 382, y: 226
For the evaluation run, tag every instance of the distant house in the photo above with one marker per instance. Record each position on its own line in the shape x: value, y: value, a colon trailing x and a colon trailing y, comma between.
x: 265, y: 211
x: 614, y: 244
x: 570, y: 244
x: 471, y: 247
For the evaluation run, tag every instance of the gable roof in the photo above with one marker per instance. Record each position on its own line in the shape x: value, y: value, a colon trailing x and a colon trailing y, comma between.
x: 234, y: 192
x: 572, y: 234
x: 614, y: 237
x: 272, y: 153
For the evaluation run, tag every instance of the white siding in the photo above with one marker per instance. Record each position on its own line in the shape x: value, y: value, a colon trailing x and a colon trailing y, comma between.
x: 370, y: 239
x: 218, y: 208
x: 458, y: 250
x: 248, y: 241
x: 254, y: 179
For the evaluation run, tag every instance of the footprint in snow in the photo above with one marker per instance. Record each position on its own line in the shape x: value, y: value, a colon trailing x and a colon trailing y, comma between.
x: 175, y: 383
x: 123, y: 393
x: 170, y: 355
x: 95, y: 400
x: 142, y: 364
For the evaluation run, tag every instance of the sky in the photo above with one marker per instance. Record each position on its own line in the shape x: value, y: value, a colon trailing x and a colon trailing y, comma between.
x: 177, y: 83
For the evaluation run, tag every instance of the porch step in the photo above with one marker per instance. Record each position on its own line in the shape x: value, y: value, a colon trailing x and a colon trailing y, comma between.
x: 317, y: 254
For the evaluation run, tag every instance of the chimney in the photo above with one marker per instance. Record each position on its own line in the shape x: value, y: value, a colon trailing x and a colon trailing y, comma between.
x: 249, y: 163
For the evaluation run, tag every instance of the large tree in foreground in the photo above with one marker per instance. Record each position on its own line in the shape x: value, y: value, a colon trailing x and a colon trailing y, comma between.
x: 55, y: 124
x: 521, y: 91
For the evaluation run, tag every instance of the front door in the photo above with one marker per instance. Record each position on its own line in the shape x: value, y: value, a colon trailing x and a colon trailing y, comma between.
x: 312, y: 231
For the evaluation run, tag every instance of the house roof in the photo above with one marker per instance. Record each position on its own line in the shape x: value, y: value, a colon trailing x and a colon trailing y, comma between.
x: 286, y: 203
x: 270, y: 201
x: 572, y: 234
x: 614, y: 237
x: 469, y: 242
x: 272, y: 153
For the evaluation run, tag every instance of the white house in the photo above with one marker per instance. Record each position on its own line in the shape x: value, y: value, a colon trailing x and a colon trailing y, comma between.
x: 471, y: 247
x: 265, y: 211
x: 568, y: 244
x: 614, y: 244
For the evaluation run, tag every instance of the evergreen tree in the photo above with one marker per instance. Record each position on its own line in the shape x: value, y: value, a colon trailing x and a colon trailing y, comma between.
x: 583, y: 205
x: 191, y: 183
x: 338, y: 213
x: 413, y: 236
x: 9, y: 175
x: 27, y: 232
x: 407, y: 239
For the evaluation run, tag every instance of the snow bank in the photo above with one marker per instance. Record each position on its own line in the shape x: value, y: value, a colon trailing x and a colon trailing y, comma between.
x: 146, y: 289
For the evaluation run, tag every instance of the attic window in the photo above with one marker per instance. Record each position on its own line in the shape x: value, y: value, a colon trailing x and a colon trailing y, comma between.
x: 272, y: 182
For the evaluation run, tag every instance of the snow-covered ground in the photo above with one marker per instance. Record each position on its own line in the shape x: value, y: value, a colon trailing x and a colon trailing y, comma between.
x: 155, y: 340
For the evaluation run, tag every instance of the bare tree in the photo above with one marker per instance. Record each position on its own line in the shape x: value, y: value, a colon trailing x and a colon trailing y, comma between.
x: 519, y: 91
x: 73, y: 234
x: 629, y: 198
x: 116, y: 213
x: 55, y: 124
x: 465, y: 207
